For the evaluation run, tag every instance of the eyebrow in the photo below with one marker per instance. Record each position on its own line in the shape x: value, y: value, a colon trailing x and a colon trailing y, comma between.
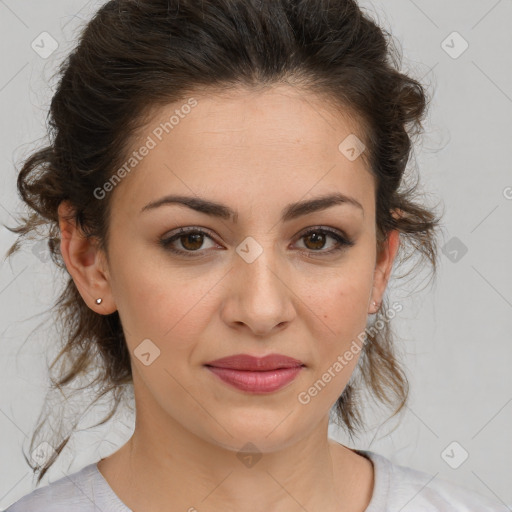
x: 290, y: 212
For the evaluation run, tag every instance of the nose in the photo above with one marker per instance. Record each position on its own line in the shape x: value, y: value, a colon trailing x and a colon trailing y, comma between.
x: 260, y: 297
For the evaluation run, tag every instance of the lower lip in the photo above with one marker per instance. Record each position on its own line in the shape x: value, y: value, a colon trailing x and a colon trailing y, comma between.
x: 256, y: 382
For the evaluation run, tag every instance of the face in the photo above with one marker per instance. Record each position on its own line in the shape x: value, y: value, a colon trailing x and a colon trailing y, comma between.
x: 194, y: 284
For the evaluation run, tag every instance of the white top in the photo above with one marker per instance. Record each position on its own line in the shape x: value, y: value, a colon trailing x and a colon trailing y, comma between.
x: 395, y: 488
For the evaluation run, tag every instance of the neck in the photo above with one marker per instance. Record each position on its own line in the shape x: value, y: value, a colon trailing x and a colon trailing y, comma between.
x: 176, y: 470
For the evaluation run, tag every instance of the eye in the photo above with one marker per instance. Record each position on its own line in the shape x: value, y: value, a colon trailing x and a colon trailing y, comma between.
x: 315, y: 239
x: 192, y: 239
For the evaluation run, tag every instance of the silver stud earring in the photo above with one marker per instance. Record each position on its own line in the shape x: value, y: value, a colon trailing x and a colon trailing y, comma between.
x: 98, y: 301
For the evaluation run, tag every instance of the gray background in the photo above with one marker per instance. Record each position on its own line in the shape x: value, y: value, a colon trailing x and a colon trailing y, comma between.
x: 455, y: 335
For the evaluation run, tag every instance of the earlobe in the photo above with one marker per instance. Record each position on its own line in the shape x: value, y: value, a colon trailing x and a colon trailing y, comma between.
x: 84, y: 262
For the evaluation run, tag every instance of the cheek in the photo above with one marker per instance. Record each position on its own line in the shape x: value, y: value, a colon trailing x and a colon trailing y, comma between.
x: 340, y: 315
x: 340, y: 306
x: 340, y: 300
x: 160, y: 304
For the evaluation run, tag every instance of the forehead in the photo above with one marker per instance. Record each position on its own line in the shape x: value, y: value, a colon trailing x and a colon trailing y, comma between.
x: 258, y: 143
x: 247, y: 119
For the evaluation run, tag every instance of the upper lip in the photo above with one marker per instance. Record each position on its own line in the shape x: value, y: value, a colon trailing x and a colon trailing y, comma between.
x: 250, y: 363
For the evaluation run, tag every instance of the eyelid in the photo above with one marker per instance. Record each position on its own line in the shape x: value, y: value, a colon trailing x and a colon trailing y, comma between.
x: 333, y: 231
x: 343, y: 240
x: 181, y: 231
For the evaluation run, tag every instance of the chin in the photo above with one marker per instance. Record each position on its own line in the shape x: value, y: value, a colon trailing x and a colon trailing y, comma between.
x: 268, y: 431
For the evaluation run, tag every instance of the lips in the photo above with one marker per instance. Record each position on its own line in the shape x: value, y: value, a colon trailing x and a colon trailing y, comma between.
x: 256, y: 374
x: 246, y: 362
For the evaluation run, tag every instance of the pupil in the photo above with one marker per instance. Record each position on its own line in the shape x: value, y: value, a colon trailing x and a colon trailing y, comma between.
x: 194, y: 236
x: 318, y: 238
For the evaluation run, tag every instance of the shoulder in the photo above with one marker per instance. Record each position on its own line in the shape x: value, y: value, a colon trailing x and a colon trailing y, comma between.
x: 73, y: 492
x: 403, y: 488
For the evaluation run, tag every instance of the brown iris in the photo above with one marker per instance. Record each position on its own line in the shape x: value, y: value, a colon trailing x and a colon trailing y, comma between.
x: 193, y: 241
x: 318, y: 240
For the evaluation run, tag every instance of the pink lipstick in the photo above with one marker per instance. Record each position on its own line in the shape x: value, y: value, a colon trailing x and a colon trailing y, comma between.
x: 256, y: 374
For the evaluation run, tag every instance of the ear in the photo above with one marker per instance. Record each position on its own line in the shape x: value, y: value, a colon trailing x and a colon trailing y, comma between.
x: 384, y: 265
x: 86, y: 263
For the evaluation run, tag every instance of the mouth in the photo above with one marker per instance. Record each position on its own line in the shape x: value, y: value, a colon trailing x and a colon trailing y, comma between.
x: 256, y: 374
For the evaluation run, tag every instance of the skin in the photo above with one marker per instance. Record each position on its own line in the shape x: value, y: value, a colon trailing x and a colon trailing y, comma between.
x: 273, y: 148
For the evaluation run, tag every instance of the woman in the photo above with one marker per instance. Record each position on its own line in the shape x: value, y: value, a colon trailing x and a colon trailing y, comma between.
x: 223, y: 186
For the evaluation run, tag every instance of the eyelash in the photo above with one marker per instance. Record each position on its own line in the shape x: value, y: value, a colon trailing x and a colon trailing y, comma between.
x: 343, y: 242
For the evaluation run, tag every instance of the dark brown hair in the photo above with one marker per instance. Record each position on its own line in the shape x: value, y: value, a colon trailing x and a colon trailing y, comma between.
x: 137, y: 55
